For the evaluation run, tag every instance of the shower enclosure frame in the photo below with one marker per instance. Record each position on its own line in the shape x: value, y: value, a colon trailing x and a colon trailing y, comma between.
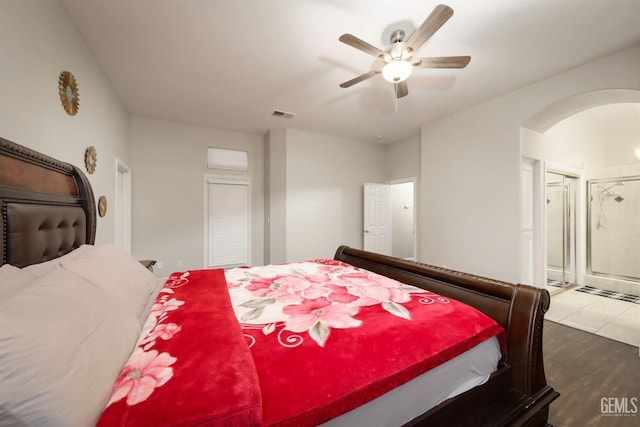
x: 606, y: 182
x: 533, y: 228
x: 571, y: 207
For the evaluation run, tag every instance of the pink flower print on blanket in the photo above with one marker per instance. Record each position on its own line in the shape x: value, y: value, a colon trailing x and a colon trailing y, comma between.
x: 281, y: 288
x: 312, y: 297
x: 144, y: 372
x: 319, y: 315
x: 164, y: 331
x: 368, y: 289
x: 161, y: 308
x: 290, y: 288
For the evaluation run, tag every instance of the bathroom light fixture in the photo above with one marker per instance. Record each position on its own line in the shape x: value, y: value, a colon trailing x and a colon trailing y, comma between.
x: 397, y: 71
x: 638, y: 153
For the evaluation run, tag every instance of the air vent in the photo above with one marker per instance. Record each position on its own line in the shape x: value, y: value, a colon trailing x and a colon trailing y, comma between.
x: 280, y: 113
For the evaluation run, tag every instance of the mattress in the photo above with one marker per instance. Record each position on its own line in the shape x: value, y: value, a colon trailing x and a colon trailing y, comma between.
x: 402, y: 404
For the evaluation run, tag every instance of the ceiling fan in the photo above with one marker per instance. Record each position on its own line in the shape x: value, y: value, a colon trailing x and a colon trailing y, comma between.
x: 398, y: 58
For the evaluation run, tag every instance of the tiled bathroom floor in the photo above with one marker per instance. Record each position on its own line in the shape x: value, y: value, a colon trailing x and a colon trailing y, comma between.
x: 615, y: 319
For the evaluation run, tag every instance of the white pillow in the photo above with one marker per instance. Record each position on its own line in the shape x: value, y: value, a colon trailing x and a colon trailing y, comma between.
x: 12, y: 278
x: 43, y: 268
x: 63, y: 344
x: 114, y: 270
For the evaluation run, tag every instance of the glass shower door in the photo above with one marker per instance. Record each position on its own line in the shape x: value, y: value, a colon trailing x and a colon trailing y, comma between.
x: 613, y: 245
x: 561, y: 229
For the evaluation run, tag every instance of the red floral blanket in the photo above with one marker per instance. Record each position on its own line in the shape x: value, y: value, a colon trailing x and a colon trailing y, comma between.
x: 327, y: 337
x: 192, y: 365
x: 307, y: 342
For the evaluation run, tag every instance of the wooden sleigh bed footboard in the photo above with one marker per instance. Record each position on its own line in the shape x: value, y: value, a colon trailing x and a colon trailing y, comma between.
x: 517, y: 393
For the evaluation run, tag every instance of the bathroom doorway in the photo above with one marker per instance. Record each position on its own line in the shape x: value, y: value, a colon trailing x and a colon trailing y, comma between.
x: 561, y: 230
x: 591, y: 136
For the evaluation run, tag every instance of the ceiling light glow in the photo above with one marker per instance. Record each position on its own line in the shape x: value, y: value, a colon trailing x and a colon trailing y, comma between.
x: 397, y: 71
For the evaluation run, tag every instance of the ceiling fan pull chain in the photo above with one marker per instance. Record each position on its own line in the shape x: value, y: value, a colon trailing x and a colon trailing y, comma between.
x: 395, y: 87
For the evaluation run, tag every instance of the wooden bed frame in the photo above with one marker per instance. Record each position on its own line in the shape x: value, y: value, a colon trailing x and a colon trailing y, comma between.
x: 517, y: 394
x: 48, y: 209
x: 47, y: 206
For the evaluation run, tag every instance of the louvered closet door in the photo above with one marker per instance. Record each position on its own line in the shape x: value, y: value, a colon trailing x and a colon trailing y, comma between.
x: 228, y: 223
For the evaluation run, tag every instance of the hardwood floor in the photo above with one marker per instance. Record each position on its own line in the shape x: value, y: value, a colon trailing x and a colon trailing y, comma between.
x: 585, y: 369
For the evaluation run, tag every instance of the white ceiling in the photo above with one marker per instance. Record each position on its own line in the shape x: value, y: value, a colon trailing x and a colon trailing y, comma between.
x: 229, y: 63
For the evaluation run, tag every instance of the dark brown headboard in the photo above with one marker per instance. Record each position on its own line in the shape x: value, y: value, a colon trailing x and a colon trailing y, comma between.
x: 48, y: 208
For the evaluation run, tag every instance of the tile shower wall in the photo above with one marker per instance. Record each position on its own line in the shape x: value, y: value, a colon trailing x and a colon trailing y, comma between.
x: 614, y: 229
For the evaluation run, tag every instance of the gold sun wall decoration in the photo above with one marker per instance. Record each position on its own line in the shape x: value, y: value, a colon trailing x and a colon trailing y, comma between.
x: 68, y: 90
x: 91, y: 159
x: 102, y: 206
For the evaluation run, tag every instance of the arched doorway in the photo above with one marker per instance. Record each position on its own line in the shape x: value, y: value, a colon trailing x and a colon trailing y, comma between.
x: 554, y: 140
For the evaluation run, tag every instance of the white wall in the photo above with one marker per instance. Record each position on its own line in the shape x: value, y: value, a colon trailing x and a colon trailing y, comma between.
x: 169, y: 162
x: 581, y: 143
x: 622, y: 144
x: 571, y: 143
x: 402, y: 162
x: 324, y: 192
x: 470, y: 165
x: 313, y: 202
x: 275, y: 196
x: 403, y: 159
x: 37, y: 43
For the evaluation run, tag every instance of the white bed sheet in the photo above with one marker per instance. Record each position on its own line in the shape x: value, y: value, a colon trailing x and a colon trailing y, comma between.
x: 419, y: 395
x: 152, y: 298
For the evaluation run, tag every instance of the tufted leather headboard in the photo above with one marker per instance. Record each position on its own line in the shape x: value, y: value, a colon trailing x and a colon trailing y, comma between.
x: 48, y: 208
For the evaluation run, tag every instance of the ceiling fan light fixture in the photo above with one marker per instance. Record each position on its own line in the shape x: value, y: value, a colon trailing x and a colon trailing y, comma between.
x: 397, y: 71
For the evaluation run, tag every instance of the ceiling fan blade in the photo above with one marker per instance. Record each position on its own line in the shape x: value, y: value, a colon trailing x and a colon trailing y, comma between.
x: 442, y: 62
x: 362, y: 45
x: 402, y: 89
x: 360, y: 78
x: 434, y: 21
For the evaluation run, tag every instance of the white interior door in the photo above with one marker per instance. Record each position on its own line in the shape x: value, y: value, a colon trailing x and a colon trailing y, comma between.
x: 376, y: 221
